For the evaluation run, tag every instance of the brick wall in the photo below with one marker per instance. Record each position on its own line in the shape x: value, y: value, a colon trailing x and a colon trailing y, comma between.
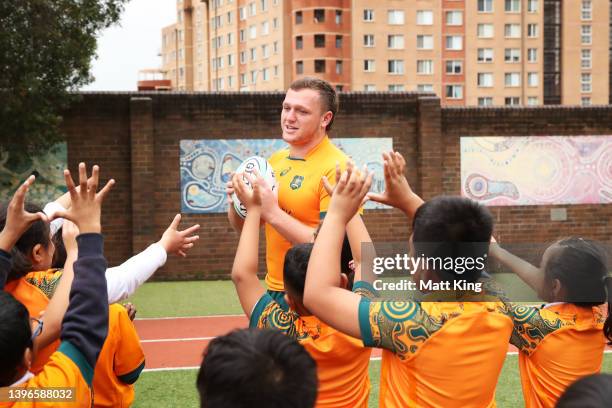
x: 135, y: 139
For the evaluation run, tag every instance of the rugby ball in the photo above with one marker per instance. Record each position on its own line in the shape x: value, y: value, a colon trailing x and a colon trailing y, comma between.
x: 248, y: 167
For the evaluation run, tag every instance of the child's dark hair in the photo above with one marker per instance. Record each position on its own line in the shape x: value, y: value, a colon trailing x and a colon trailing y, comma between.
x: 452, y: 227
x: 261, y: 367
x: 15, y: 337
x: 581, y: 267
x: 38, y: 233
x: 296, y: 265
x: 593, y: 391
x: 59, y: 256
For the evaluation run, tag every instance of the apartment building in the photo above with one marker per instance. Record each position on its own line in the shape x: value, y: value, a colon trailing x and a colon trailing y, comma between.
x: 469, y: 52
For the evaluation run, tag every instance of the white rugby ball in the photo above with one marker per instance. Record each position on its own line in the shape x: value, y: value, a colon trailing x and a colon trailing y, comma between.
x: 248, y: 167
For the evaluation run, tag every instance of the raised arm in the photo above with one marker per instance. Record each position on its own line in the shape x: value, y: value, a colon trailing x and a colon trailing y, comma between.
x: 322, y: 295
x: 244, y: 270
x: 531, y: 275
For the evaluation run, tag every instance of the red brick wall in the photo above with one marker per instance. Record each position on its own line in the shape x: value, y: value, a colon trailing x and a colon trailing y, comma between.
x: 136, y: 141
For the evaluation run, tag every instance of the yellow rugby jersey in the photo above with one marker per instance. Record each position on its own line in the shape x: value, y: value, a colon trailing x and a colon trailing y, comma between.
x: 120, y: 362
x: 300, y: 194
x: 342, y: 361
x: 66, y: 368
x: 559, y: 345
x: 436, y: 354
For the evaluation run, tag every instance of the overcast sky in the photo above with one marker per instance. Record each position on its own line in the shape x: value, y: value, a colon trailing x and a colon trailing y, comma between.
x: 132, y: 45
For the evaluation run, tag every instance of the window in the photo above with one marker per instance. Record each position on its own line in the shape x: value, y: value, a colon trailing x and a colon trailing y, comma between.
x: 339, y: 67
x: 243, y: 79
x: 532, y: 30
x: 585, y: 59
x: 454, y: 18
x: 424, y: 17
x: 485, y: 30
x: 319, y: 40
x: 395, y: 17
x: 230, y: 38
x: 395, y: 67
x: 368, y: 15
x: 585, y: 37
x: 319, y: 66
x: 253, y: 77
x: 242, y: 36
x: 298, y: 17
x: 532, y: 100
x: 263, y: 5
x: 425, y: 67
x: 252, y: 32
x: 512, y: 55
x: 338, y: 16
x: 512, y: 101
x: 338, y: 41
x: 265, y: 51
x: 424, y: 42
x: 339, y: 88
x: 485, y: 101
x: 454, y: 67
x: 299, y: 67
x: 396, y: 88
x: 425, y: 87
x: 253, y: 53
x: 369, y: 87
x: 369, y: 65
x: 512, y: 6
x: 586, y: 101
x: 265, y: 74
x: 454, y: 42
x: 485, y: 6
x: 230, y: 60
x: 299, y: 42
x: 275, y: 23
x: 485, y: 55
x: 532, y: 55
x: 454, y: 91
x: 275, y: 47
x: 319, y: 15
x: 532, y: 79
x: 230, y: 81
x: 512, y: 79
x: 485, y: 79
x: 585, y: 82
x: 242, y: 13
x: 276, y: 70
x: 395, y: 41
x: 229, y: 17
x: 243, y: 57
x: 532, y: 6
x: 368, y: 40
x: 512, y: 30
x: 586, y: 10
x: 252, y: 10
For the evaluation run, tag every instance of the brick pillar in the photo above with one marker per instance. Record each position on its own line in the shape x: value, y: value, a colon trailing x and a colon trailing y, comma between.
x: 143, y: 173
x: 430, y: 151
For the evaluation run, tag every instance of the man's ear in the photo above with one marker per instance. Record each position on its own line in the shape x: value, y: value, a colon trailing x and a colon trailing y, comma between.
x: 327, y: 117
x: 343, y: 281
x: 37, y: 253
x: 557, y: 291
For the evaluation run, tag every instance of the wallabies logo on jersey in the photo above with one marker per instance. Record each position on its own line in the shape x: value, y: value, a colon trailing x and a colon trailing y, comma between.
x: 296, y: 182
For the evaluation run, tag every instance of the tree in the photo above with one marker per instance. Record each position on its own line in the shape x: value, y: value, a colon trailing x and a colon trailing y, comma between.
x: 46, y: 48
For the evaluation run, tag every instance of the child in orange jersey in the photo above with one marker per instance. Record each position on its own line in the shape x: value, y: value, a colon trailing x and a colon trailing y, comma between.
x: 569, y: 343
x: 342, y: 361
x: 84, y: 325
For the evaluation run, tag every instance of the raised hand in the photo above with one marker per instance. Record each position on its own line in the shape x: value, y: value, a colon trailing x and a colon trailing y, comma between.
x: 86, y: 204
x: 350, y: 192
x: 397, y: 192
x: 18, y: 220
x: 179, y: 242
x: 249, y: 197
x: 69, y: 234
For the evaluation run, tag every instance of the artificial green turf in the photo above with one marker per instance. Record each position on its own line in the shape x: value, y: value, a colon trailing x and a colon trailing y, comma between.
x: 177, y: 388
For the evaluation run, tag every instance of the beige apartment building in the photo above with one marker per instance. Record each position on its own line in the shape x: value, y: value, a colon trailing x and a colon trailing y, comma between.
x: 469, y: 52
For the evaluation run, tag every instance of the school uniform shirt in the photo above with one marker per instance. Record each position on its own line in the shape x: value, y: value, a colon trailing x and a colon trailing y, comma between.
x: 436, y: 354
x: 342, y: 361
x: 567, y: 343
x: 301, y: 195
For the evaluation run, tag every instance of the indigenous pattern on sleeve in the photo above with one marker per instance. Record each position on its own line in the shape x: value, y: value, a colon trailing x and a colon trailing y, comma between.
x: 365, y: 289
x: 269, y: 315
x: 532, y: 325
x: 46, y: 281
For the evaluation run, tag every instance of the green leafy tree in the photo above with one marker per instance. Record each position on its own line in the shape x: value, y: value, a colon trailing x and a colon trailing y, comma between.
x: 46, y: 48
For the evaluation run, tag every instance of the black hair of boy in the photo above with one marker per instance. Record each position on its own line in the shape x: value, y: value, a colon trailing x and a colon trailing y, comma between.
x: 252, y: 367
x: 60, y: 255
x: 452, y: 227
x: 37, y: 233
x: 593, y: 391
x: 15, y: 337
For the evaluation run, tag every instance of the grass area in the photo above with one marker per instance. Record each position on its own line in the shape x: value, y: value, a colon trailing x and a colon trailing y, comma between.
x: 177, y: 388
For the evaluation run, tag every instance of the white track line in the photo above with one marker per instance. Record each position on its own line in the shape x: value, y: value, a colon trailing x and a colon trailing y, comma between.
x: 189, y: 317
x: 183, y: 339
